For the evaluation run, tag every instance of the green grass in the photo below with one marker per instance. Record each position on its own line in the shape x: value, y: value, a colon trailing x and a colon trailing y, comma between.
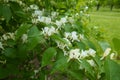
x: 108, y: 20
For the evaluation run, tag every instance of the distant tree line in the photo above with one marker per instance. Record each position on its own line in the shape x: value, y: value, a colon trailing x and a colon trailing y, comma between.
x: 110, y: 3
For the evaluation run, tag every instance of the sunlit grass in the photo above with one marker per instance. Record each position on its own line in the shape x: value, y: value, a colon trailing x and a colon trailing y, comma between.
x: 108, y: 20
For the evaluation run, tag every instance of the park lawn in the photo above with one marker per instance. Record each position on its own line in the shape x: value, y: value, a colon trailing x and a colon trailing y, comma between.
x: 108, y: 20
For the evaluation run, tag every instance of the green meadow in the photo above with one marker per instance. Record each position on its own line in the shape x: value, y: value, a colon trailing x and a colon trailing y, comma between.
x: 108, y: 20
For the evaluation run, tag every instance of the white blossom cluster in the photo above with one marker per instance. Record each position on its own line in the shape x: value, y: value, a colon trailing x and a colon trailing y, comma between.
x: 37, y: 16
x: 74, y: 36
x: 48, y: 31
x: 5, y: 37
x: 18, y: 1
x: 8, y: 36
x: 77, y: 54
x: 61, y: 22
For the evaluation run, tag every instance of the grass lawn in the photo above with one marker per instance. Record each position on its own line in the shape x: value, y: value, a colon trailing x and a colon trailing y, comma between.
x: 108, y: 20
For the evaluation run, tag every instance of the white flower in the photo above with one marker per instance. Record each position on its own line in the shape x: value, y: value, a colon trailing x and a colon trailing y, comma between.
x: 86, y: 8
x: 91, y: 62
x: 112, y: 55
x: 8, y: 36
x: 11, y: 35
x: 58, y: 23
x: 74, y: 36
x: 47, y: 20
x: 37, y: 13
x: 34, y: 21
x: 81, y: 12
x: 83, y: 54
x: 36, y: 71
x: 54, y: 14
x: 34, y: 6
x: 67, y: 34
x: 106, y: 53
x: 71, y: 20
x: 81, y: 36
x: 76, y: 14
x: 62, y: 45
x: 41, y: 19
x: 91, y: 52
x: 1, y: 45
x: 5, y: 37
x: 24, y: 38
x: 74, y: 54
x: 49, y: 31
x: 63, y: 20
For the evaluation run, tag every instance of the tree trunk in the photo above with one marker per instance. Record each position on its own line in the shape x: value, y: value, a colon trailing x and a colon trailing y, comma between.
x: 111, y: 7
x: 98, y: 7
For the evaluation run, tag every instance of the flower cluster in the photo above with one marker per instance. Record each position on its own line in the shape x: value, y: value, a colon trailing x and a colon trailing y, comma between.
x: 8, y: 36
x: 48, y: 31
x: 77, y: 54
x: 73, y: 36
x: 38, y: 16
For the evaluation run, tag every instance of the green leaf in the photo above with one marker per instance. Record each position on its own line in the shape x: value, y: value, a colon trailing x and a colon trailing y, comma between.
x: 10, y: 52
x: 74, y: 64
x: 97, y: 60
x: 15, y: 6
x: 21, y: 14
x: 90, y: 44
x: 21, y: 30
x: 88, y: 68
x: 22, y: 51
x: 42, y: 76
x: 1, y: 7
x: 60, y: 65
x: 12, y: 68
x: 3, y: 73
x: 48, y: 56
x: 116, y: 44
x: 112, y: 70
x: 68, y: 28
x: 77, y: 75
x: 34, y: 37
x: 58, y: 38
x: 81, y: 45
x: 104, y: 45
x: 6, y: 12
x: 11, y: 42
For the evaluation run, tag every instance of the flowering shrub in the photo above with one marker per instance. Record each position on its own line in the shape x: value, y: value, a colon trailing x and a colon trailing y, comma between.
x: 43, y: 43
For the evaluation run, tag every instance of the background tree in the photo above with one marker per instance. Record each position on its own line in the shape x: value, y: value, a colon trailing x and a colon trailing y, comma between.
x: 99, y: 3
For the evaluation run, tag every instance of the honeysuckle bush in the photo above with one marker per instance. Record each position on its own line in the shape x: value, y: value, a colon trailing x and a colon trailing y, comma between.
x: 50, y: 40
